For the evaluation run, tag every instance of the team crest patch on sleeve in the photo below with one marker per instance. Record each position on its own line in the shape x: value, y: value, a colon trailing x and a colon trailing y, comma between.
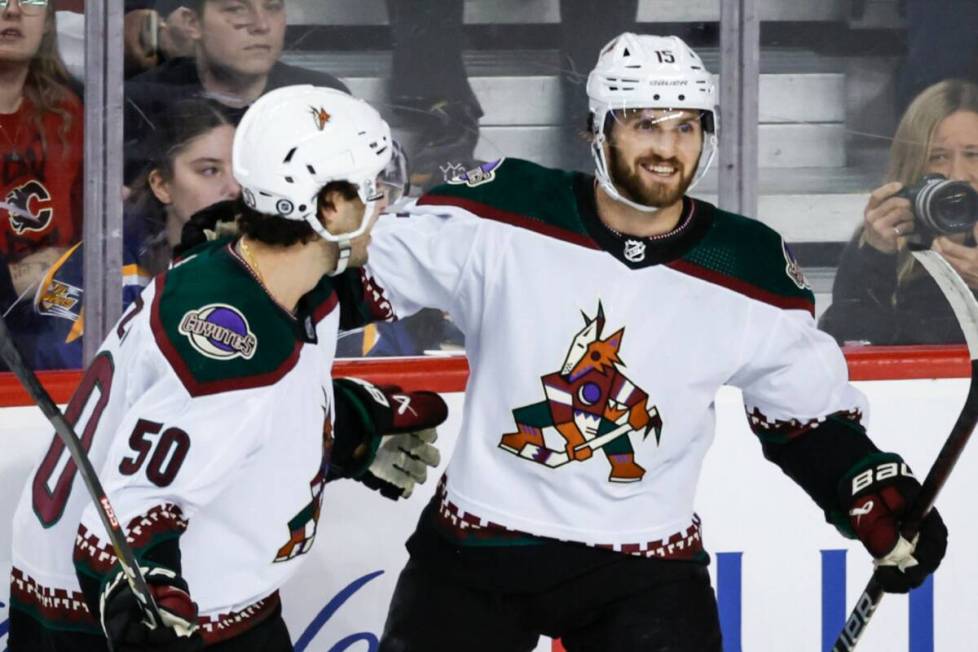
x: 474, y: 177
x: 590, y: 407
x: 793, y: 269
x: 220, y: 332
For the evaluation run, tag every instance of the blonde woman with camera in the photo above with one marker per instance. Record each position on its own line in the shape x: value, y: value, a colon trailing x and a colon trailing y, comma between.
x: 880, y: 295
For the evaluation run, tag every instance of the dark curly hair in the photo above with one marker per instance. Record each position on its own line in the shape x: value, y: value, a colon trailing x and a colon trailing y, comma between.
x: 277, y: 230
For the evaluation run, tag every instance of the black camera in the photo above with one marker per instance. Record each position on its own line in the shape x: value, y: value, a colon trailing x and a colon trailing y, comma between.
x: 942, y: 206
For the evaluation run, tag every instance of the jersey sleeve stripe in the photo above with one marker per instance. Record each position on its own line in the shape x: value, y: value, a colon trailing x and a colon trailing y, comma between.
x: 321, y: 311
x: 743, y: 287
x: 518, y: 220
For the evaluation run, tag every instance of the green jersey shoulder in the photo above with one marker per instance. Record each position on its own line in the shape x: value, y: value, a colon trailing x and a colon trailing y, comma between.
x: 219, y: 329
x: 749, y: 257
x: 516, y: 192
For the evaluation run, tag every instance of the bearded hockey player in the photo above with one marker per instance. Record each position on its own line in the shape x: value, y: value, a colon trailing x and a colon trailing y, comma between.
x: 567, y: 507
x: 209, y: 411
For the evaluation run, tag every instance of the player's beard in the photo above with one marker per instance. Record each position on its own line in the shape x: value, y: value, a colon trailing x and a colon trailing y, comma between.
x: 630, y: 184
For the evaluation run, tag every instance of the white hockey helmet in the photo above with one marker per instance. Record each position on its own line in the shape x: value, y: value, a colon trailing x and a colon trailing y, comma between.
x: 294, y: 140
x: 642, y: 72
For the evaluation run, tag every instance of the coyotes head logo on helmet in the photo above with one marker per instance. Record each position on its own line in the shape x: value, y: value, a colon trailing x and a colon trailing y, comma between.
x: 660, y: 76
x: 320, y: 116
x: 294, y: 140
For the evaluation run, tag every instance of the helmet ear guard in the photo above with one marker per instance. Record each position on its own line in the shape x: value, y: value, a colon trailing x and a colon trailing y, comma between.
x: 648, y: 72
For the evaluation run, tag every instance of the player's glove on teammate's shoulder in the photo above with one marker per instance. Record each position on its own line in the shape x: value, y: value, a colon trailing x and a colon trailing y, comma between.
x: 214, y: 221
x: 123, y: 620
x: 406, y: 421
x: 878, y: 492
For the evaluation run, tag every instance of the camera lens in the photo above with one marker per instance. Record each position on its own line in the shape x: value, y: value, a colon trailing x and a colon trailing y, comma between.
x: 946, y: 206
x: 956, y: 206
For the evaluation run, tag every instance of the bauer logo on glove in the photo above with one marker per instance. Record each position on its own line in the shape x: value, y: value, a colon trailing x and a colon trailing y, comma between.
x: 878, y: 492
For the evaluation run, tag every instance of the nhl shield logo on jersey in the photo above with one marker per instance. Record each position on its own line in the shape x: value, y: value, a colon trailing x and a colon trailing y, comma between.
x: 591, y: 405
x: 220, y: 332
x: 476, y: 176
x: 793, y: 269
x: 634, y: 251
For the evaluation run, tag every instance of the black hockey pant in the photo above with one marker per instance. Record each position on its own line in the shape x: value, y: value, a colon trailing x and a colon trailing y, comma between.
x: 627, y: 606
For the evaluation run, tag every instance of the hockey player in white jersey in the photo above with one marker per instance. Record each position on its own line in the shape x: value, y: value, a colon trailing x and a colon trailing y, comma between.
x: 567, y: 507
x: 210, y: 415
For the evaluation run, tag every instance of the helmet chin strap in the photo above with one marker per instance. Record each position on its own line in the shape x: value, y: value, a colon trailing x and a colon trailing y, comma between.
x: 343, y: 241
x: 343, y: 257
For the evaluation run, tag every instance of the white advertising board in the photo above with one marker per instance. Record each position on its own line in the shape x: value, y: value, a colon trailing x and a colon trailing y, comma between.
x: 784, y: 578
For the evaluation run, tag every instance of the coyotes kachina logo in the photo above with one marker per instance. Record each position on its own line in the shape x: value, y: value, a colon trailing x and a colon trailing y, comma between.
x: 591, y: 405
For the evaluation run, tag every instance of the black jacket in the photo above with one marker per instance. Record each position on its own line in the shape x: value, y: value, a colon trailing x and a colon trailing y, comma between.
x: 150, y: 95
x: 867, y: 305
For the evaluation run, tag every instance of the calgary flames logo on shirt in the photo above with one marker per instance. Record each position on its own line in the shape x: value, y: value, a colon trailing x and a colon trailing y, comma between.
x: 28, y: 207
x: 591, y: 405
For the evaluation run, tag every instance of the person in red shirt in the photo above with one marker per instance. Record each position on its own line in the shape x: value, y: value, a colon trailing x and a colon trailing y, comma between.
x: 41, y: 152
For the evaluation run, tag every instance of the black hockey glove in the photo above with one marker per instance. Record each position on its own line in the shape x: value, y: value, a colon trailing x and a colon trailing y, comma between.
x: 878, y: 492
x: 122, y: 618
x: 407, y: 422
x: 215, y: 221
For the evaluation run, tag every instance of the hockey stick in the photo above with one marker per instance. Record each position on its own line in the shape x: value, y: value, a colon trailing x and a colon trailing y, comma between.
x: 127, y: 560
x: 966, y: 311
x: 554, y: 458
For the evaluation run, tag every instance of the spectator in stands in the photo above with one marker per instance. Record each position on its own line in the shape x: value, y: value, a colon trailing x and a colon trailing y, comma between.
x: 237, y: 47
x: 430, y: 89
x: 425, y: 331
x: 69, y: 18
x: 429, y: 86
x: 139, y: 36
x: 881, y: 296
x: 174, y: 31
x: 155, y: 31
x: 41, y: 126
x: 190, y: 170
x: 941, y: 44
x: 585, y: 27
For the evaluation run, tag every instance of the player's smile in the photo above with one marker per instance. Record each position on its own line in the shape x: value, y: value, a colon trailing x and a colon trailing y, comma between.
x: 661, y: 171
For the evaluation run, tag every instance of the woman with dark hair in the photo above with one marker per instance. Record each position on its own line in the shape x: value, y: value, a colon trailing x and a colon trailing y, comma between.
x: 190, y: 170
x: 41, y: 143
x: 881, y: 295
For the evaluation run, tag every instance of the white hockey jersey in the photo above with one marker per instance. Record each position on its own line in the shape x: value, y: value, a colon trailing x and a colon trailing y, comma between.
x: 595, y: 358
x: 207, y: 415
